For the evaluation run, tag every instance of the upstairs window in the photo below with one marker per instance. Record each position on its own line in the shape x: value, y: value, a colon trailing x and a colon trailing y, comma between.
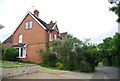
x: 30, y: 26
x: 20, y: 38
x: 55, y: 36
x: 50, y: 37
x: 26, y: 25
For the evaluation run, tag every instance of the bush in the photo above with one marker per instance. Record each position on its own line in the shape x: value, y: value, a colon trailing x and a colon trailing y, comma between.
x: 84, y: 67
x: 10, y: 54
x: 2, y: 50
x: 50, y: 59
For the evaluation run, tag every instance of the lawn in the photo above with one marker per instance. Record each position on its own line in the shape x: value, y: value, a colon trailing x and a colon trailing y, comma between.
x: 11, y: 64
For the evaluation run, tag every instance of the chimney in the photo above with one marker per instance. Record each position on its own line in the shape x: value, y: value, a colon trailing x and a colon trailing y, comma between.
x: 36, y: 13
x: 51, y: 22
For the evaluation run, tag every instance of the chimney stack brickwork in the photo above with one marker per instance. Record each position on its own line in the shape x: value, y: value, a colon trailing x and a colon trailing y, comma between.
x: 36, y: 13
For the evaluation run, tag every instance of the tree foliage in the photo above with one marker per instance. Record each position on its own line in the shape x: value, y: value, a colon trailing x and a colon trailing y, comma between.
x: 76, y: 54
x: 116, y: 9
x: 10, y: 54
x: 109, y: 50
x: 49, y: 57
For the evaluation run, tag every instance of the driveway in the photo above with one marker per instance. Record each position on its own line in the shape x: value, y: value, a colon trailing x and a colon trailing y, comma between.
x: 102, y: 72
x: 45, y: 73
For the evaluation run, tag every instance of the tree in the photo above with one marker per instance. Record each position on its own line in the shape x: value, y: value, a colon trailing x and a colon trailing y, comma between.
x: 76, y: 54
x: 72, y: 53
x: 109, y: 50
x: 116, y: 8
x: 91, y: 54
x: 69, y: 50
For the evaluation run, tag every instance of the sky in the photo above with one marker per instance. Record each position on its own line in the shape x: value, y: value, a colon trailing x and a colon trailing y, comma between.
x: 81, y: 18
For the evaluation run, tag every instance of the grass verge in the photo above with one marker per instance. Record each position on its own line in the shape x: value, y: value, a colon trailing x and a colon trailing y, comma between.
x: 11, y: 64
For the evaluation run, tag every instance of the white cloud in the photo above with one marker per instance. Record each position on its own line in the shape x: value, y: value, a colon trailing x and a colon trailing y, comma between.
x: 82, y: 18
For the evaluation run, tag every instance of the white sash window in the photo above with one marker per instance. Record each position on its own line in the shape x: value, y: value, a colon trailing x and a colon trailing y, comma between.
x: 30, y: 24
x: 26, y: 25
x: 20, y: 38
x: 55, y: 37
x: 50, y: 37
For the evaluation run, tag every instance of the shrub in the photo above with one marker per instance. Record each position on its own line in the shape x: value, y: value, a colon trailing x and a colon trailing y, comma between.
x: 49, y: 58
x: 10, y: 54
x: 2, y: 50
x: 84, y: 67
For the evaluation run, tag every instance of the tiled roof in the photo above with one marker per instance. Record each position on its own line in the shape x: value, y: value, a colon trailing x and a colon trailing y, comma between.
x: 8, y: 40
x: 63, y: 34
x: 48, y: 26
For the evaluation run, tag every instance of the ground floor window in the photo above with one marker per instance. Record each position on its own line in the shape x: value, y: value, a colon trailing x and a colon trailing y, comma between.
x: 22, y: 52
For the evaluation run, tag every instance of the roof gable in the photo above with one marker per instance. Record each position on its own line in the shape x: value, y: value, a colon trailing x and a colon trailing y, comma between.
x: 8, y: 40
x: 39, y: 21
x: 64, y: 34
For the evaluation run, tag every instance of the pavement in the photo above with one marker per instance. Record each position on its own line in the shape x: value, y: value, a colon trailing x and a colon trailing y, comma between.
x: 78, y: 75
x: 102, y: 72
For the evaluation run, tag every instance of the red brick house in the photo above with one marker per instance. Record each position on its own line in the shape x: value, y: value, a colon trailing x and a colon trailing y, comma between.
x: 31, y: 34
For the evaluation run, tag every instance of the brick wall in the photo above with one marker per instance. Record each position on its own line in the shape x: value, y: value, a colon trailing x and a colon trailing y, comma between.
x: 36, y: 37
x: 36, y: 34
x: 32, y: 54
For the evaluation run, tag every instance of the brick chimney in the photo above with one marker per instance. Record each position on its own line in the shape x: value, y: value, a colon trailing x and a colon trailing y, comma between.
x: 36, y: 13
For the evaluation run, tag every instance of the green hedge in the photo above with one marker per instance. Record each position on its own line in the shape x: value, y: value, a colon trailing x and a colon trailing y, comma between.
x: 50, y: 60
x: 85, y: 67
x: 10, y: 54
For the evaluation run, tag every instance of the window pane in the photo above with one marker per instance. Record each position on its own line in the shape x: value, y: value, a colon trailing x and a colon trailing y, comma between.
x: 26, y: 25
x: 50, y: 37
x: 30, y: 24
x: 18, y: 52
x: 24, y: 52
x: 20, y: 38
x: 55, y: 36
x: 21, y: 54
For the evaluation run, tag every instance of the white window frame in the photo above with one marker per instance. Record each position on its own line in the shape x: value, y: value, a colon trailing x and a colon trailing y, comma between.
x: 20, y: 38
x: 50, y: 36
x: 30, y: 24
x: 55, y: 37
x: 24, y: 52
x: 26, y: 25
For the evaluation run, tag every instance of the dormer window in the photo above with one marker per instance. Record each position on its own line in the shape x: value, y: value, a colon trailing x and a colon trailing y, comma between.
x: 20, y: 38
x: 26, y: 25
x: 30, y: 24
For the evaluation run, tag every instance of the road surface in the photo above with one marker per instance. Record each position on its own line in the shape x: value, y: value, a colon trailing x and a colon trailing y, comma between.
x: 104, y: 72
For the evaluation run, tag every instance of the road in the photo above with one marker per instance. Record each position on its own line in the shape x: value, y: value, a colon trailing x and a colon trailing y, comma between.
x: 110, y: 72
x: 104, y: 72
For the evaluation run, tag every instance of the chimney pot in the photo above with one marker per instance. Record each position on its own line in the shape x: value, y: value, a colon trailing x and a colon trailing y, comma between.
x: 36, y: 13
